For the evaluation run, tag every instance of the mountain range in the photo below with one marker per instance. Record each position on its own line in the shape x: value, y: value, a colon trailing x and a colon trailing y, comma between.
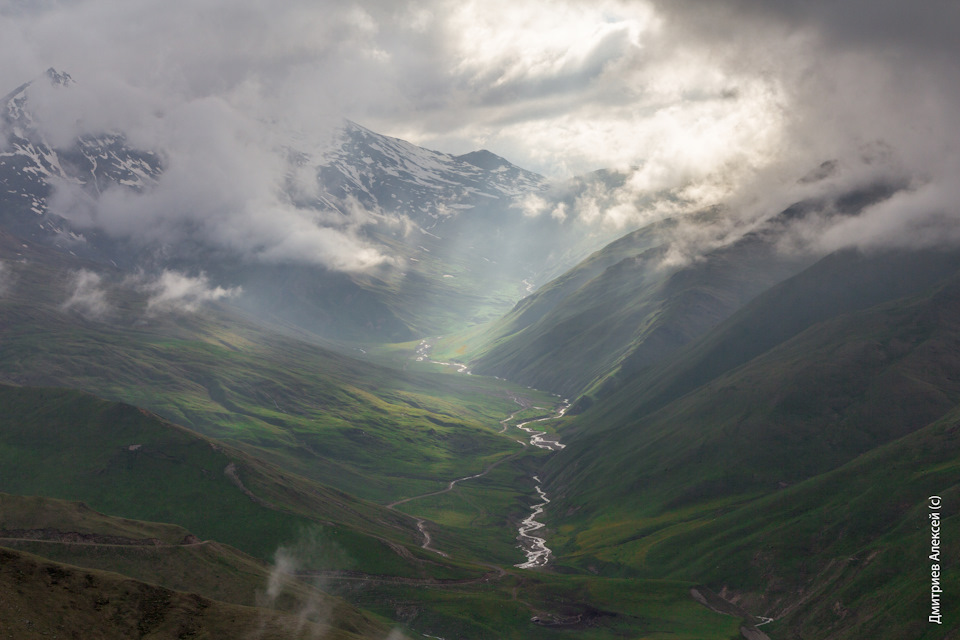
x: 435, y: 218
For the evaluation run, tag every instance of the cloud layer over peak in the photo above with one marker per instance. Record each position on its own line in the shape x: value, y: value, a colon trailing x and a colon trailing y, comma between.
x: 713, y: 100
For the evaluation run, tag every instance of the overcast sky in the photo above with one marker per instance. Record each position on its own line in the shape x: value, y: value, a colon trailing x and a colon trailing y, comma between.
x: 726, y: 98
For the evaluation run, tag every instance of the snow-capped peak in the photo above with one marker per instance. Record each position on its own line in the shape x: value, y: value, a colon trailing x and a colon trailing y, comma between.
x: 59, y: 78
x: 394, y: 175
x: 29, y: 163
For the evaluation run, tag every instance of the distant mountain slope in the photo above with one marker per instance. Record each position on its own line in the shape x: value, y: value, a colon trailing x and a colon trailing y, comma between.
x: 430, y: 187
x: 627, y: 306
x: 622, y: 304
x: 30, y: 164
x: 812, y: 402
x: 535, y: 306
x: 840, y: 283
x: 448, y: 226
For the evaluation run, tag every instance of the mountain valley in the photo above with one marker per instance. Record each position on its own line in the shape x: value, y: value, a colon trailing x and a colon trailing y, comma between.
x: 209, y: 433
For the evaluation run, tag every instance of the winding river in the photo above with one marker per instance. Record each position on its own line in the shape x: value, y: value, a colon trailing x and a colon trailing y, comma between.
x: 534, y: 547
x: 424, y: 347
x: 539, y: 438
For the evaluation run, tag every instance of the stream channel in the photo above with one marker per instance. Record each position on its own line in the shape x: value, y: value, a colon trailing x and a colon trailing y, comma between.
x: 534, y: 547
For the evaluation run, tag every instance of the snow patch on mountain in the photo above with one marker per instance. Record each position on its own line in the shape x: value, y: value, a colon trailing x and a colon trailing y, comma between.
x: 346, y: 187
x: 396, y: 176
x: 30, y: 165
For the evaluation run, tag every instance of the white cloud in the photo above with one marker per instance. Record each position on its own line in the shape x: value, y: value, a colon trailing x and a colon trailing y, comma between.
x: 923, y: 217
x: 87, y: 296
x: 224, y: 186
x: 175, y: 291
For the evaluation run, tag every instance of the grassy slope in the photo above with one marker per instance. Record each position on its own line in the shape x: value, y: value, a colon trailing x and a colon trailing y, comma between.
x: 45, y: 599
x: 905, y: 349
x: 482, y: 338
x: 38, y: 512
x: 622, y: 304
x: 265, y: 390
x: 858, y: 536
x: 769, y: 478
x: 534, y: 307
x: 811, y: 404
x: 69, y: 445
x: 627, y: 307
x: 592, y: 608
x: 159, y: 554
x: 371, y: 430
x: 164, y: 478
x: 840, y: 283
x: 843, y: 555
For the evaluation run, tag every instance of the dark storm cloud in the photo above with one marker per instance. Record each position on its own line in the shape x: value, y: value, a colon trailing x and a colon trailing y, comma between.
x: 927, y: 25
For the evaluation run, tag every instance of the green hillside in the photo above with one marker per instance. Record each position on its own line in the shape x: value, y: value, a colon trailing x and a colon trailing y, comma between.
x: 124, y: 461
x: 70, y: 445
x: 795, y: 482
x: 625, y: 305
x: 839, y: 283
x: 379, y: 432
x: 760, y: 443
x: 167, y: 556
x: 814, y: 402
x: 44, y: 599
x: 858, y: 536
